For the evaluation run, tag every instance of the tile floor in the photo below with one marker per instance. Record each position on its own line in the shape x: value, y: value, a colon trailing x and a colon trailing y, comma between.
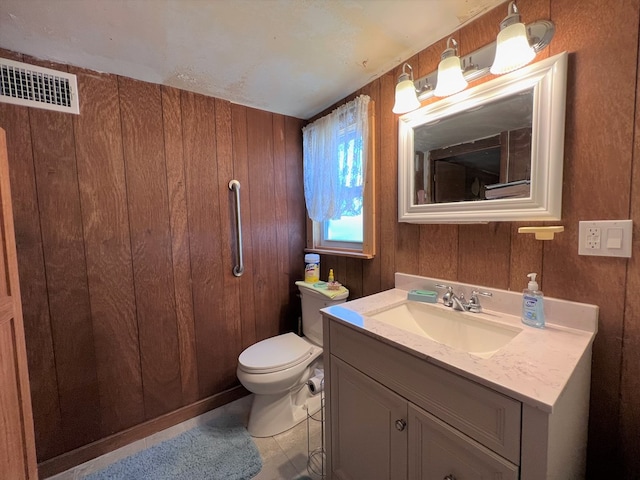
x: 284, y: 456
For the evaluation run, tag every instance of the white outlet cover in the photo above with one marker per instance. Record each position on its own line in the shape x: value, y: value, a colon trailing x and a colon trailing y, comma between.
x: 611, y: 234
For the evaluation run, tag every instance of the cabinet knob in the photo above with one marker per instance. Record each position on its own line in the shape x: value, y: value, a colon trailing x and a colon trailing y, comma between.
x: 400, y: 425
x: 449, y: 477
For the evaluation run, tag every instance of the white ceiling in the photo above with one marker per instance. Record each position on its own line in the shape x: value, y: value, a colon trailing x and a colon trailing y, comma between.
x: 294, y: 57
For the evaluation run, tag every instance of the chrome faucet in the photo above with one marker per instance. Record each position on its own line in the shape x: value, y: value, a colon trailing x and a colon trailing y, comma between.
x: 457, y: 302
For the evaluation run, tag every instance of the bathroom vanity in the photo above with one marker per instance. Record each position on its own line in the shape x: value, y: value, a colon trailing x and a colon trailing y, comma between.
x: 418, y: 391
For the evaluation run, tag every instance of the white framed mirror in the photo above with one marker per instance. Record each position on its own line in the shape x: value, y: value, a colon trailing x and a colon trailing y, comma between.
x: 490, y: 153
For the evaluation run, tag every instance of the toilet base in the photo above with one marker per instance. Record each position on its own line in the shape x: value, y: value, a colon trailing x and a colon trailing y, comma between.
x: 274, y: 414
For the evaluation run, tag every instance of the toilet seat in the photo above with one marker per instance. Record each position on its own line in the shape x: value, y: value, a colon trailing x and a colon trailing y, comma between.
x: 275, y: 353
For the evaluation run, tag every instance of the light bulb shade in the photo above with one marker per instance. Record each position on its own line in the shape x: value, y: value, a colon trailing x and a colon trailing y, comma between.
x: 406, y: 98
x: 450, y: 78
x: 512, y: 49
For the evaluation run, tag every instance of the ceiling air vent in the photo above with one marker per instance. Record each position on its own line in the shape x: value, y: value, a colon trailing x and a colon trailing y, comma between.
x: 38, y: 87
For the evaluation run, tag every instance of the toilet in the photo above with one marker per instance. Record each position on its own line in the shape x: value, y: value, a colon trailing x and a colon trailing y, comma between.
x: 276, y: 370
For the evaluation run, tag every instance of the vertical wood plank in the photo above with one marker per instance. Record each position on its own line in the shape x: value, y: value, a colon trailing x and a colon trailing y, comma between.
x: 287, y: 320
x: 407, y: 234
x: 201, y: 175
x: 597, y: 162
x: 439, y: 251
x: 148, y: 208
x: 296, y: 211
x: 483, y: 250
x: 241, y: 173
x: 263, y: 219
x: 180, y: 242
x: 103, y: 199
x: 353, y: 273
x: 66, y: 272
x: 371, y: 268
x: 388, y: 185
x: 483, y: 255
x: 37, y: 325
x: 630, y: 379
x: 230, y: 328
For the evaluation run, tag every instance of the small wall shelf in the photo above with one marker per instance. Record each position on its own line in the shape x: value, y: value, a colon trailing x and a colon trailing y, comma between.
x: 542, y: 233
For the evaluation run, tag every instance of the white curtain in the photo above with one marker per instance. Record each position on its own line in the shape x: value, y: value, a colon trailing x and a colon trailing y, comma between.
x: 334, y: 161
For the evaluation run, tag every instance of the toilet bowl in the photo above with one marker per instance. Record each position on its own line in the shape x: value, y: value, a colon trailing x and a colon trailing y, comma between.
x: 276, y: 370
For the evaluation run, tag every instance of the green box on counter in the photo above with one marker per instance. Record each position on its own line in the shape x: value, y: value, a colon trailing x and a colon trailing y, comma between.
x: 426, y: 296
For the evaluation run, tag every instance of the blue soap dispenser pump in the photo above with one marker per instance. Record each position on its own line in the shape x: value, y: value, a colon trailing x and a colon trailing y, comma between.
x: 533, y: 304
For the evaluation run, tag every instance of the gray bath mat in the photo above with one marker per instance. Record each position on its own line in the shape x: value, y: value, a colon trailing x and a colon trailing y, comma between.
x: 219, y: 450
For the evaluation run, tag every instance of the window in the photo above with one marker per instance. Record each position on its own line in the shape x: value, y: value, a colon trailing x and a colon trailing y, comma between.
x: 339, y: 181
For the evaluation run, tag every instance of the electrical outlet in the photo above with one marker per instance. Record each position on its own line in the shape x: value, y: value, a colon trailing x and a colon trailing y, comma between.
x: 605, y: 238
x: 593, y: 238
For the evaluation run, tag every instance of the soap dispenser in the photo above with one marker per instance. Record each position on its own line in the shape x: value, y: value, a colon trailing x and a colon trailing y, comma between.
x: 532, y: 304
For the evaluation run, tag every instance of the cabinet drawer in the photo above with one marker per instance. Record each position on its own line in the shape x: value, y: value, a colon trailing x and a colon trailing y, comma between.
x: 486, y: 416
x: 437, y: 450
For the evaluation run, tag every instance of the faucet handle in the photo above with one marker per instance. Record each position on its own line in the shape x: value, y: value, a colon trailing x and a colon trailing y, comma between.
x: 474, y: 301
x: 446, y: 297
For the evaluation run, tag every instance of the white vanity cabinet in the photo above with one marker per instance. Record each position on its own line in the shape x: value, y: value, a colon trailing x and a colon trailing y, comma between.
x: 388, y: 412
x: 393, y: 415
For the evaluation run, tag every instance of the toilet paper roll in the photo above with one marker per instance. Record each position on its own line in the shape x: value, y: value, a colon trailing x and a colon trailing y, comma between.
x: 316, y: 384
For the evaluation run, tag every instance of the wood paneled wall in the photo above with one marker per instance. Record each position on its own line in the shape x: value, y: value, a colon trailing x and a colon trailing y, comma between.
x: 124, y: 223
x: 601, y: 175
x: 126, y: 243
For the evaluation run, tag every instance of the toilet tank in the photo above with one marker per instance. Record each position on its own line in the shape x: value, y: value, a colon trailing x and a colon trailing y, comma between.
x: 312, y: 302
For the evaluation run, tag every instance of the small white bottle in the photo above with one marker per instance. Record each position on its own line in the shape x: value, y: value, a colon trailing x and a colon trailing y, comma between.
x: 533, y: 304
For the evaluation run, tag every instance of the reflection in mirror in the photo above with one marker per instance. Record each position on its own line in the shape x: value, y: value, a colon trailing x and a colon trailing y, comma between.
x: 490, y: 153
x: 484, y: 153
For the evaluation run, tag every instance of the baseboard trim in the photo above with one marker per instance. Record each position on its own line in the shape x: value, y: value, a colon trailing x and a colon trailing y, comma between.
x: 95, y: 449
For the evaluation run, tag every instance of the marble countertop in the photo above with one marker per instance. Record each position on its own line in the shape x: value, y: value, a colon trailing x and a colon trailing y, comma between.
x: 534, y: 367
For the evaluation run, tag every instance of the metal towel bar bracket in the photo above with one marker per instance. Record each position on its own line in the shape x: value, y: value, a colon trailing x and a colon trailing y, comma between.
x: 238, y: 270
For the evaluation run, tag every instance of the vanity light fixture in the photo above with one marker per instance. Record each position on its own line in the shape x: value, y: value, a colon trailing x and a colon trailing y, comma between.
x: 517, y: 44
x: 477, y: 64
x: 450, y: 78
x: 406, y: 98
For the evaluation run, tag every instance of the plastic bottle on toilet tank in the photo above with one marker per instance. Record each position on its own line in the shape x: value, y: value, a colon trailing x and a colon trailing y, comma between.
x: 312, y: 268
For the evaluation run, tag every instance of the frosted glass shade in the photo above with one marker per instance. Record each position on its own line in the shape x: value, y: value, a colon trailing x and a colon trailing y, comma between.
x: 512, y: 49
x: 450, y: 79
x: 406, y: 98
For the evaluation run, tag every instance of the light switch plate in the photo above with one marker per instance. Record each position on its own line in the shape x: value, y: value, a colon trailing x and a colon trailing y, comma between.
x: 605, y: 238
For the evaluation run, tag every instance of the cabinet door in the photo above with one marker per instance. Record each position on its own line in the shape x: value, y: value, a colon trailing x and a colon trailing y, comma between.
x: 437, y: 451
x: 366, y: 442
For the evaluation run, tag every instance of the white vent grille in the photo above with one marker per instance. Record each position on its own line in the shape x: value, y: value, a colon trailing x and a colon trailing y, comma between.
x: 38, y: 87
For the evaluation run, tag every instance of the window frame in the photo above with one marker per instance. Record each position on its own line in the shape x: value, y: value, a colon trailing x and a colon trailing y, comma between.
x: 366, y: 250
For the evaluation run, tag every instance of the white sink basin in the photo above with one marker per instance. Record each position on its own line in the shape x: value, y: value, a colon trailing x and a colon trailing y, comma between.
x: 467, y: 332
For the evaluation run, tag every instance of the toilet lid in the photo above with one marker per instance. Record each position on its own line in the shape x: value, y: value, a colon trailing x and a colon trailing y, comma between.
x: 275, y: 353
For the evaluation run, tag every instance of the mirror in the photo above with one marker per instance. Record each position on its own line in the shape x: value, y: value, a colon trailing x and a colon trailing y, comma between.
x: 490, y: 153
